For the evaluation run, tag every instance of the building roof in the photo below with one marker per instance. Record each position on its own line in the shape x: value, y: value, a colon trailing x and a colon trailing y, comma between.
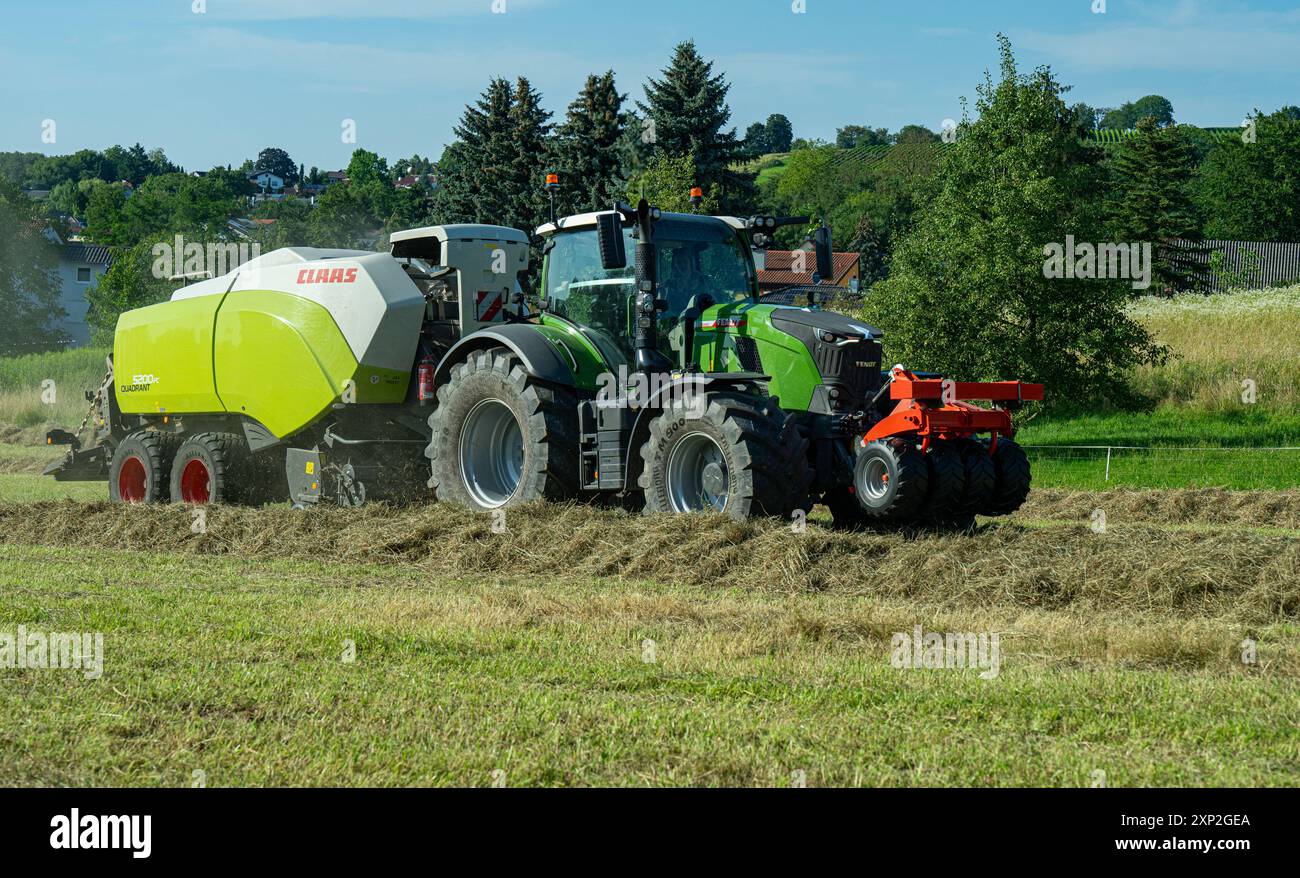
x: 777, y: 270
x: 406, y: 182
x: 87, y: 253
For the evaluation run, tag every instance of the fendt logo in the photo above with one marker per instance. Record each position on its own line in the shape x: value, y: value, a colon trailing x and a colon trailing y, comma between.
x: 139, y: 383
x: 327, y: 276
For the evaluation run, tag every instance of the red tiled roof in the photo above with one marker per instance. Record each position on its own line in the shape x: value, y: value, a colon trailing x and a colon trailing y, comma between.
x: 777, y: 271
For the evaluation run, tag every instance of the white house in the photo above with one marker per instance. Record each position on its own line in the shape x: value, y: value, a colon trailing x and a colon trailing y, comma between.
x: 80, y: 268
x: 266, y: 181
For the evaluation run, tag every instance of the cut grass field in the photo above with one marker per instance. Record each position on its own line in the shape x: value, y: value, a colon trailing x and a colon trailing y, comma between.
x: 583, y: 648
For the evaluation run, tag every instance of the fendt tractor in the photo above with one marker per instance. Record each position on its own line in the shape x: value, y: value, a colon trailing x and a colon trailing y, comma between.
x: 667, y: 384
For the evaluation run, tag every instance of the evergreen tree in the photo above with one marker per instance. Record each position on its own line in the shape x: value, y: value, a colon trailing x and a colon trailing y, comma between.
x: 472, y: 167
x: 969, y: 294
x: 528, y: 205
x: 1152, y: 173
x: 688, y: 107
x: 588, y: 158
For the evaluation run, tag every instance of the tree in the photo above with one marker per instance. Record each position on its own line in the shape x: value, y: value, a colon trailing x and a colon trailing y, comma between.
x: 666, y: 183
x: 968, y: 294
x: 1152, y: 174
x: 779, y: 133
x: 688, y: 109
x: 587, y: 154
x: 29, y: 282
x: 915, y: 134
x: 276, y: 161
x: 1127, y: 117
x: 129, y: 283
x: 853, y: 136
x: 1247, y: 188
x: 474, y: 164
x: 755, y: 142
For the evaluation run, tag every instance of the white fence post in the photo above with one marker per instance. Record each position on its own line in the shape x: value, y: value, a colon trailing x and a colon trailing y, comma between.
x: 1108, y: 450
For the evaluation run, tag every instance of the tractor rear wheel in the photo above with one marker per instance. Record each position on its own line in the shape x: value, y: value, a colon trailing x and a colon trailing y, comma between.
x: 741, y: 455
x: 892, y: 480
x: 141, y: 467
x: 947, y: 485
x: 1011, y: 466
x: 215, y: 468
x: 501, y: 437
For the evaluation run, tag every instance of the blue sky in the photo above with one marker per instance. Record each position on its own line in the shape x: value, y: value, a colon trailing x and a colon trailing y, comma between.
x: 215, y: 87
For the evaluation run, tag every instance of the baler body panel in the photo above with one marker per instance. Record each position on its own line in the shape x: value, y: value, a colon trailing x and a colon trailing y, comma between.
x: 162, y: 358
x: 280, y: 341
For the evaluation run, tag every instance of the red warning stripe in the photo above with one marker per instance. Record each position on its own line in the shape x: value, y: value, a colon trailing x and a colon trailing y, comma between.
x: 493, y: 310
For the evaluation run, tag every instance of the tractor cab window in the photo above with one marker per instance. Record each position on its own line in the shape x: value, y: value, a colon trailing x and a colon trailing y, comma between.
x: 580, y: 290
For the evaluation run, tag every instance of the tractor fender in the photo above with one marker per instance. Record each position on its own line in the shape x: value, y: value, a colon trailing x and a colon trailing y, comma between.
x: 641, y: 426
x: 539, y: 357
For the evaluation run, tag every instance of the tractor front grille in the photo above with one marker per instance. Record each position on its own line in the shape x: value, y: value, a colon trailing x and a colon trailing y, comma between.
x: 855, y: 367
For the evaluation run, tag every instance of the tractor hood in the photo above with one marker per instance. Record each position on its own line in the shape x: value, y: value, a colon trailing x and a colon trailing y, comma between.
x: 801, y: 322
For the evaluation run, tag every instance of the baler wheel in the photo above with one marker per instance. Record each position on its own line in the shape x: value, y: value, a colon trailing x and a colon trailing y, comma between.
x: 1011, y: 465
x: 892, y: 480
x: 501, y: 436
x: 214, y: 468
x: 141, y: 467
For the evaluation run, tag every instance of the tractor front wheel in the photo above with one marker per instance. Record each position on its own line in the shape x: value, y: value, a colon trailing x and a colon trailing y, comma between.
x: 731, y: 453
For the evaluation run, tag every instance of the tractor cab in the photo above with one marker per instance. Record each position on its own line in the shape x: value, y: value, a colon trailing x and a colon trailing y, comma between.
x: 701, y: 261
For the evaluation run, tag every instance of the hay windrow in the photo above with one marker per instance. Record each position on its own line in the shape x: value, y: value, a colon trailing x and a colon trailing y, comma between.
x: 1277, y: 509
x: 1244, y: 576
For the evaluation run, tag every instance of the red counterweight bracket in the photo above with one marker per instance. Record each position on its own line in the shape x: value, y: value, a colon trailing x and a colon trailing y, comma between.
x: 937, y: 408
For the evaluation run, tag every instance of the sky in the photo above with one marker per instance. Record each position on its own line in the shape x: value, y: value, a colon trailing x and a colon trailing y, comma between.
x: 215, y: 81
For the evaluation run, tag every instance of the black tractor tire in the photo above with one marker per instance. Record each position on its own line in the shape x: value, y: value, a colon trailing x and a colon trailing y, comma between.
x: 510, y: 435
x: 981, y: 479
x: 140, y: 470
x: 947, y: 484
x: 892, y: 480
x: 1011, y: 465
x: 217, y: 468
x: 736, y: 453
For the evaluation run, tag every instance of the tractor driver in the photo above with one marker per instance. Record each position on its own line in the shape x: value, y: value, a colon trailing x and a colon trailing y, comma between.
x: 684, y: 278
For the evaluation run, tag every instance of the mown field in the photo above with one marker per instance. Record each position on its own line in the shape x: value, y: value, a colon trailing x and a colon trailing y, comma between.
x: 581, y: 647
x: 1147, y: 637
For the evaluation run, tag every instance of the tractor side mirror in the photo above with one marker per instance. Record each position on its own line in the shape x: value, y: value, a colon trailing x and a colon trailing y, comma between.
x: 609, y: 234
x: 825, y: 259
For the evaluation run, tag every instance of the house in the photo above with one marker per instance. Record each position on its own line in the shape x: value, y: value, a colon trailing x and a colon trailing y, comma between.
x: 406, y: 182
x: 80, y: 268
x: 778, y: 269
x: 332, y: 177
x: 267, y: 181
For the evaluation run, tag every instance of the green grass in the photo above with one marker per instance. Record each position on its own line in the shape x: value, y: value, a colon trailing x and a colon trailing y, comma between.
x: 33, y: 487
x: 234, y: 667
x: 24, y: 410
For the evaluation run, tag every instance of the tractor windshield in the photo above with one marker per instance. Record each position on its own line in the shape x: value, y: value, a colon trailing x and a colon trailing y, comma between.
x: 696, y: 258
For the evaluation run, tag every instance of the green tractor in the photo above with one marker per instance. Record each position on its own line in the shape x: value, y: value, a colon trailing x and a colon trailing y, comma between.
x: 659, y: 382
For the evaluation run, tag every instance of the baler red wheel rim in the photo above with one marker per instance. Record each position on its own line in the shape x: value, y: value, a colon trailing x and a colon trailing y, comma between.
x: 132, y: 480
x: 196, y: 483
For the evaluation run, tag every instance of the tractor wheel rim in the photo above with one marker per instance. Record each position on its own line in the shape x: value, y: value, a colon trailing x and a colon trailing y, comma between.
x: 132, y: 480
x: 491, y: 453
x: 697, y: 475
x: 875, y: 479
x: 196, y: 483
